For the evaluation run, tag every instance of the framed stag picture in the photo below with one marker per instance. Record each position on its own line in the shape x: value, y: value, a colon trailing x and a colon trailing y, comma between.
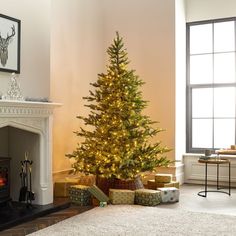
x: 9, y: 44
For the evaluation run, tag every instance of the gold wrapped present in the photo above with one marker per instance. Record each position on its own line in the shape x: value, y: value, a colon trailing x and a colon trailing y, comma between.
x: 165, y: 185
x: 61, y: 187
x: 147, y: 197
x: 80, y: 195
x: 163, y: 178
x: 87, y: 180
x: 121, y: 196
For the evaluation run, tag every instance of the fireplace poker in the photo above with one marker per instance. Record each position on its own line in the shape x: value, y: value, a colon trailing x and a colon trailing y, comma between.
x: 23, y: 189
x: 31, y: 193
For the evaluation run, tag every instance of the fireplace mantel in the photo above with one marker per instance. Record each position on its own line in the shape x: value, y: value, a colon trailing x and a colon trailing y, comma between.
x: 26, y: 108
x: 35, y: 117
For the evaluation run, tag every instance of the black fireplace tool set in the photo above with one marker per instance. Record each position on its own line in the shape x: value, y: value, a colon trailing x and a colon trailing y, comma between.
x: 26, y: 193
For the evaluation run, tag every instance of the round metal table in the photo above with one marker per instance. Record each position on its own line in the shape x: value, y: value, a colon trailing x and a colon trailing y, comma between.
x: 218, y: 162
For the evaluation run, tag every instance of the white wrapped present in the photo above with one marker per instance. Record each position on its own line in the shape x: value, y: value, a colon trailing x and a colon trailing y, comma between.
x: 169, y: 194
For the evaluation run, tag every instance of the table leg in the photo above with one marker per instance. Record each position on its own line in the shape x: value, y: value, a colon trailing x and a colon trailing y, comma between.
x: 229, y: 179
x: 205, y: 179
x: 217, y: 176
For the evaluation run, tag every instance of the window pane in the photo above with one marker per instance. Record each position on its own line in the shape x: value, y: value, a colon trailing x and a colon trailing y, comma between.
x: 224, y: 68
x: 212, y: 84
x: 224, y: 133
x: 224, y: 102
x: 202, y: 102
x: 224, y: 36
x: 202, y: 133
x: 201, y: 69
x: 201, y: 39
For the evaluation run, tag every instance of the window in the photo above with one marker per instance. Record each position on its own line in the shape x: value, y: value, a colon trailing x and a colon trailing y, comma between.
x: 211, y: 84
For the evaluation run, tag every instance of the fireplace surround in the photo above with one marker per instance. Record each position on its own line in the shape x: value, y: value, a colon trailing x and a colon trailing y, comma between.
x: 24, y: 122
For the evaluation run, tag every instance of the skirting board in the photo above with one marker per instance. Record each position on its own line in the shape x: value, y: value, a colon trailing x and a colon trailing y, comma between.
x: 194, y: 172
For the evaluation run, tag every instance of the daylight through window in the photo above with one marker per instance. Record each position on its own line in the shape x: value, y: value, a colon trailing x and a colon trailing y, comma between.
x: 211, y: 84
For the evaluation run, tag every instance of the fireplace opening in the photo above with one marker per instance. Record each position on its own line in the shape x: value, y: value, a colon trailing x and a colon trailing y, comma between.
x: 14, y: 143
x: 4, y: 179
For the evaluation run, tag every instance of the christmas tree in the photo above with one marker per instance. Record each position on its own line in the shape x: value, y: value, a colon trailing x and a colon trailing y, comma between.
x: 118, y: 144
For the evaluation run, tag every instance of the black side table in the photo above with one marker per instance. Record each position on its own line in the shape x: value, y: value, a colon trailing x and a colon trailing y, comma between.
x: 217, y: 162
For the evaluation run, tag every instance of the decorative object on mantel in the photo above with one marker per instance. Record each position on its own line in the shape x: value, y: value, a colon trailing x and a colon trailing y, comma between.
x: 29, y: 99
x: 117, y: 147
x: 26, y: 193
x: 14, y: 91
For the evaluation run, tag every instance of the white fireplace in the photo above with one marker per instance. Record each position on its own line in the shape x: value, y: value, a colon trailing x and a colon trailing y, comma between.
x: 27, y: 127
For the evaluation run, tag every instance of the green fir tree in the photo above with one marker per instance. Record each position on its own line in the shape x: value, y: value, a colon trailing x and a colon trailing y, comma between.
x: 118, y: 145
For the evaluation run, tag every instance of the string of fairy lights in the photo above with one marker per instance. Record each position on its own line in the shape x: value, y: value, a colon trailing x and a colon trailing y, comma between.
x: 118, y: 143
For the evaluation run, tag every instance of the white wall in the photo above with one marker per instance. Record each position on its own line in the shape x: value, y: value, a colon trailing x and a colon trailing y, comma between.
x: 81, y: 32
x: 77, y: 56
x: 35, y: 46
x: 209, y: 9
x: 148, y: 29
x: 180, y: 79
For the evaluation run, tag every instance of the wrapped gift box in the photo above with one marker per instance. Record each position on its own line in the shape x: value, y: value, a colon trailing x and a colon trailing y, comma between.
x: 80, y: 195
x: 61, y: 187
x: 170, y: 194
x: 121, y: 196
x: 87, y: 180
x: 163, y: 178
x: 151, y: 184
x: 147, y: 197
x: 166, y: 185
x: 98, y: 193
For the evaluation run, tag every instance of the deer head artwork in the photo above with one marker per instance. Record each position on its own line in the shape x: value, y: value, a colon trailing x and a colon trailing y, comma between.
x: 4, y: 42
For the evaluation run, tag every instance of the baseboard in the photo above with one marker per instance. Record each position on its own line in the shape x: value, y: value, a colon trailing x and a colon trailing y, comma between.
x: 195, y: 171
x: 179, y: 173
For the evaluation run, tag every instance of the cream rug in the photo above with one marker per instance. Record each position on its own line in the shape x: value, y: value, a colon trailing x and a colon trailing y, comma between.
x: 129, y: 220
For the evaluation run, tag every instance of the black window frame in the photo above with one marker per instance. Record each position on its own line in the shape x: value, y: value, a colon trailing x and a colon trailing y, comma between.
x: 189, y: 87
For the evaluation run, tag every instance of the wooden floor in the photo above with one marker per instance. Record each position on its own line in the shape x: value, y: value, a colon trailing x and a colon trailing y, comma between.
x: 44, y: 221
